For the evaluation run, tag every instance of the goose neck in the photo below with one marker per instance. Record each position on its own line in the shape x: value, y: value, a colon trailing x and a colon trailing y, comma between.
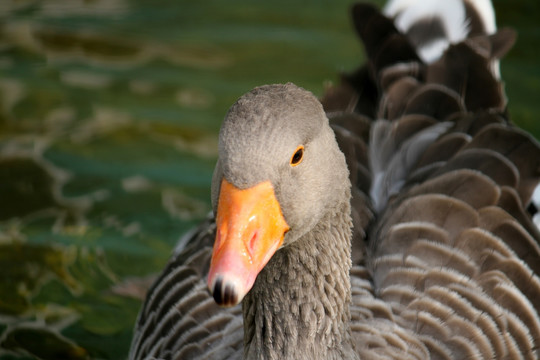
x: 299, y: 305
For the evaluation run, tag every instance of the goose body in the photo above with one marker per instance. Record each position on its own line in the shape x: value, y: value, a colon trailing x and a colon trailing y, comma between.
x: 386, y: 221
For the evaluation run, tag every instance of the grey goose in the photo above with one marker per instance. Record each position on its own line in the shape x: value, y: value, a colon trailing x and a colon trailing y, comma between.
x: 386, y: 220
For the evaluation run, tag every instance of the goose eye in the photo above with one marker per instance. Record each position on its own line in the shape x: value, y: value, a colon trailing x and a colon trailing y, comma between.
x: 298, y: 156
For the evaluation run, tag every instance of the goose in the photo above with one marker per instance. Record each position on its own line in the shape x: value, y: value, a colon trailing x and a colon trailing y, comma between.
x: 386, y: 220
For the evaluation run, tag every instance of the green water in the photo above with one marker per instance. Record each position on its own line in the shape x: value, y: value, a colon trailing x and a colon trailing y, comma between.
x: 109, y: 112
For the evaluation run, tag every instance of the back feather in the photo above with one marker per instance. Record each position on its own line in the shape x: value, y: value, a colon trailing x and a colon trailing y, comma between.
x: 453, y: 255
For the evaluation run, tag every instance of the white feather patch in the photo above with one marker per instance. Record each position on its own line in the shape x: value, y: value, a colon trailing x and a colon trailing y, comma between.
x: 486, y: 12
x: 536, y: 202
x: 452, y: 15
x: 450, y: 12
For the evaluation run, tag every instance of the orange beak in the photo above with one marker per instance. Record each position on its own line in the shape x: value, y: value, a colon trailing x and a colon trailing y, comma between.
x: 250, y: 229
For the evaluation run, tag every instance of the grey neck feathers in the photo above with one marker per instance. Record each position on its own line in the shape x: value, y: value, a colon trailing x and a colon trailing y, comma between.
x: 299, y: 305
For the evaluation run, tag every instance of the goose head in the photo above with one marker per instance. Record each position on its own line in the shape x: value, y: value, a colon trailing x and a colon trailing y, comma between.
x: 279, y: 171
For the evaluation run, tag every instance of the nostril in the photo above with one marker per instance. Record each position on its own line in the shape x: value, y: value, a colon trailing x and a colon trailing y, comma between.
x: 252, y: 243
x: 218, y: 242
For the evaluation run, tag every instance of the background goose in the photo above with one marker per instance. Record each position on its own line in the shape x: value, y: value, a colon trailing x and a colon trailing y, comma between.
x: 442, y: 261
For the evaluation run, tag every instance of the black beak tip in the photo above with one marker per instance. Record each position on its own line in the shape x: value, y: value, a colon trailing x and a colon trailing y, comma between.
x: 224, y: 293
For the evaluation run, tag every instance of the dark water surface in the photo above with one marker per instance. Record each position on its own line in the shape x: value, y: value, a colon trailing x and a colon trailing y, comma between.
x: 109, y: 112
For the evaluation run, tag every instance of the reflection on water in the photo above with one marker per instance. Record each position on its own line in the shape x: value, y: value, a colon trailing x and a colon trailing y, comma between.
x: 109, y: 112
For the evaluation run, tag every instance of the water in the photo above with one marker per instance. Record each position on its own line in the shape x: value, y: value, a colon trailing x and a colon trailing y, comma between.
x: 109, y: 112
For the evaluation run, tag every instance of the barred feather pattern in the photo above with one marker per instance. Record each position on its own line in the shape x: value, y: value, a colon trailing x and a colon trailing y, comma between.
x: 179, y: 319
x: 453, y: 256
